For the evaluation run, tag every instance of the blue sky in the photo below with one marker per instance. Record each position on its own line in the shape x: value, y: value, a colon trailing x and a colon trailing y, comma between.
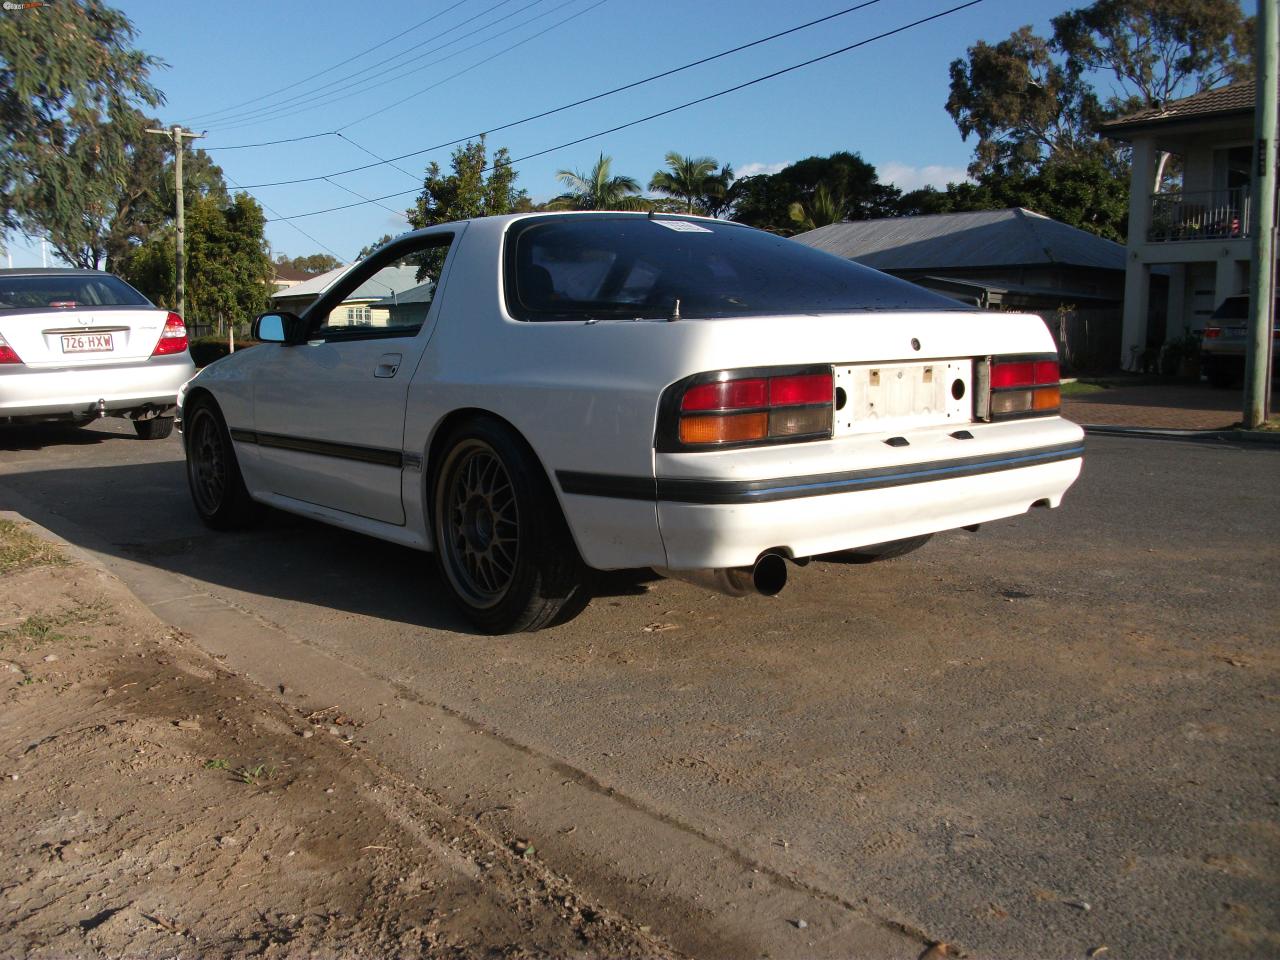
x: 884, y: 100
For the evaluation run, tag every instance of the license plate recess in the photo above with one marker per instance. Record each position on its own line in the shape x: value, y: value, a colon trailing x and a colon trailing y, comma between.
x: 894, y: 397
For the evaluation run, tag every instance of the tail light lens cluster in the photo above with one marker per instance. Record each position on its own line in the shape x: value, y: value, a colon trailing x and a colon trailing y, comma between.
x: 1023, y: 387
x: 7, y: 353
x: 740, y: 408
x: 173, y: 339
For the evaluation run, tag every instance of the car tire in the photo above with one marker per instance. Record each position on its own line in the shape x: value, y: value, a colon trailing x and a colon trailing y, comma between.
x: 157, y: 428
x: 502, y: 545
x: 881, y: 551
x: 213, y: 473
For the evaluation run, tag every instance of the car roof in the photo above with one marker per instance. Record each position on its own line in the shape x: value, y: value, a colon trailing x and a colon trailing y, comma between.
x: 63, y: 271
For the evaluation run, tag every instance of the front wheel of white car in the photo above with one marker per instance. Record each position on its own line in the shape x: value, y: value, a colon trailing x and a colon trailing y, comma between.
x: 502, y: 545
x: 213, y: 473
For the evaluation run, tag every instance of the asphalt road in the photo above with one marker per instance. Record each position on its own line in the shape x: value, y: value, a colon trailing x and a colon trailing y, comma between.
x: 1056, y: 734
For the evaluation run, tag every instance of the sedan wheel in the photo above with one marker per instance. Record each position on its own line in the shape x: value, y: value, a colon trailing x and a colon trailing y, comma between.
x: 501, y: 542
x: 213, y: 474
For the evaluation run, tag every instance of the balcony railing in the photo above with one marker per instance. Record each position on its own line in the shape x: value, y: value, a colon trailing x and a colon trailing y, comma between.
x: 1200, y: 215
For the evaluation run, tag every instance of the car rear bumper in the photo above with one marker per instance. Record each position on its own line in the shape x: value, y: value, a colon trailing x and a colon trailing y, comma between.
x: 36, y: 393
x: 937, y: 483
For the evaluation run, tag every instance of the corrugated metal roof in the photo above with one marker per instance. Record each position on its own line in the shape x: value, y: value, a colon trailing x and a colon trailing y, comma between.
x: 375, y: 288
x: 419, y: 294
x: 983, y: 238
x: 1233, y: 98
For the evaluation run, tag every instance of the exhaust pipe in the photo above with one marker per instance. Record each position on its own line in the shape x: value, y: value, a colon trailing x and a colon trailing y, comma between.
x: 766, y: 577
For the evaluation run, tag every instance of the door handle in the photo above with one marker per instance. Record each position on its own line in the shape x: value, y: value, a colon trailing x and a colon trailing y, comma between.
x: 387, y: 366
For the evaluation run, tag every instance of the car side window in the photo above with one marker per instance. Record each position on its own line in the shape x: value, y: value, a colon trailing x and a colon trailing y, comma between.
x: 391, y: 300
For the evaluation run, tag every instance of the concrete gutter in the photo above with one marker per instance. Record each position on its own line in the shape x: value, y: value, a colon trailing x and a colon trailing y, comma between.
x: 1261, y: 437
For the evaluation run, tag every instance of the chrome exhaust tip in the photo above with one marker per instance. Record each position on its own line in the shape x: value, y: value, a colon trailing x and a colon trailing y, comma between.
x: 766, y: 577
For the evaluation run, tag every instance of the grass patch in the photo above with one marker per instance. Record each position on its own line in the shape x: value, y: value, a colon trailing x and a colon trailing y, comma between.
x: 42, y: 628
x: 20, y: 549
x: 1081, y: 389
x: 252, y: 775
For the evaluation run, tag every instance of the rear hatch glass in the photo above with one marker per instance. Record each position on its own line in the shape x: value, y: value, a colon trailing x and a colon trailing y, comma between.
x: 662, y: 267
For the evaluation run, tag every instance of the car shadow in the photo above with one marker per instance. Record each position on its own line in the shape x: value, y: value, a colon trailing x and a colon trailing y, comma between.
x: 38, y: 436
x: 143, y: 513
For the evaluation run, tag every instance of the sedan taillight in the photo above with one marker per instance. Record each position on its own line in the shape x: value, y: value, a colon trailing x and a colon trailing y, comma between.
x: 1212, y: 333
x: 7, y: 353
x: 742, y: 408
x: 173, y: 339
x: 1022, y: 387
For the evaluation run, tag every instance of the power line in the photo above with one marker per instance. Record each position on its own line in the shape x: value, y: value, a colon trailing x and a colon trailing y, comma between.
x: 578, y: 103
x: 326, y: 92
x: 679, y: 107
x: 320, y: 73
x: 480, y: 63
x: 453, y: 76
x: 287, y: 220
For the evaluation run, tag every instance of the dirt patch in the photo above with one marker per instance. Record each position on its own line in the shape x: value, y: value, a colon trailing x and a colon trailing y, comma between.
x: 156, y: 804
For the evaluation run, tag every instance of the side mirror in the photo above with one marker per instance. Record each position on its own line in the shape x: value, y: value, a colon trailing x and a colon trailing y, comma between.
x: 279, y: 328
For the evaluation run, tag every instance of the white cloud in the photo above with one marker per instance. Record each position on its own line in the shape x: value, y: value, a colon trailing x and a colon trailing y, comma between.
x: 906, y: 177
x: 755, y: 169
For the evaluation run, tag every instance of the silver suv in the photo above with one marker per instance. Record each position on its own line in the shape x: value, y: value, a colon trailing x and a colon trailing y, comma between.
x: 81, y: 344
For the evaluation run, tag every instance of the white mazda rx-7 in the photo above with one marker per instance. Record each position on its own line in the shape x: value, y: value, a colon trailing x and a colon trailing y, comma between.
x: 535, y: 397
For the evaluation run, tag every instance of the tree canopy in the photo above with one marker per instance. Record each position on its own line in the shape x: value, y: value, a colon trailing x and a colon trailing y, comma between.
x: 228, y: 270
x: 1030, y: 100
x: 694, y: 182
x: 598, y: 189
x: 841, y: 186
x: 71, y: 91
x: 311, y: 263
x: 467, y: 192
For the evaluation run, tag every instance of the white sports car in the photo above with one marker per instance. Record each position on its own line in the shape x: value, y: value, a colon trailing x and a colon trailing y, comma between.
x: 81, y: 344
x: 582, y: 391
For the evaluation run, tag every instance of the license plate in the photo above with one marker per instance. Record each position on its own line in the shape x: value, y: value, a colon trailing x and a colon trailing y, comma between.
x: 87, y: 343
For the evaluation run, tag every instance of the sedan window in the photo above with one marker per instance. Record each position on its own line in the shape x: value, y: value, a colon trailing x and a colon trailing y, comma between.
x: 63, y: 290
x: 635, y: 267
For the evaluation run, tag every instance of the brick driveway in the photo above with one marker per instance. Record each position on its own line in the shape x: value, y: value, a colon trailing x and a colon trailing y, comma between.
x: 1176, y: 406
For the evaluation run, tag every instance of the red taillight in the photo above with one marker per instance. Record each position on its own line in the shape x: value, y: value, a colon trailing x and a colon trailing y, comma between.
x: 173, y: 338
x: 755, y: 409
x: 727, y: 395
x: 1212, y: 333
x: 1023, y: 387
x: 1023, y: 373
x: 7, y: 353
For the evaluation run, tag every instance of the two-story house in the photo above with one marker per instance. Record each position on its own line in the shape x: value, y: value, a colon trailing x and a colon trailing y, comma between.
x: 1200, y: 230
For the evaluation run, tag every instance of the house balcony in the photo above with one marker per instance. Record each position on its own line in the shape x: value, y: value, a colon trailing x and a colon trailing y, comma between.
x: 1200, y: 215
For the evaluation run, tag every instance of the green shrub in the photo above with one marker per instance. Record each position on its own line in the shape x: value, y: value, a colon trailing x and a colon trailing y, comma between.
x: 208, y: 349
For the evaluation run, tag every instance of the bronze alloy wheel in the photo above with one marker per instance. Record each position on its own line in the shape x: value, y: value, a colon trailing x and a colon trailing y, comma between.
x: 479, y: 522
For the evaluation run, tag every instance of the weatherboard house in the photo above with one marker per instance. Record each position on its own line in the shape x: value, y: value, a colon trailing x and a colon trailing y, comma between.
x: 1006, y: 260
x: 1197, y: 232
x: 366, y: 306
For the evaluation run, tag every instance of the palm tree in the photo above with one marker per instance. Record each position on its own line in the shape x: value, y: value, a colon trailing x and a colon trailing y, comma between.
x: 596, y: 190
x: 691, y: 179
x: 825, y: 208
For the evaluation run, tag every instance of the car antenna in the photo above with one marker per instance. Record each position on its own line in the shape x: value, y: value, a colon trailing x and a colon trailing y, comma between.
x: 675, y: 311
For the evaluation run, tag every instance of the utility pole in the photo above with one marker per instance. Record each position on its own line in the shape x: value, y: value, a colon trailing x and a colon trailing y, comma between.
x: 1257, y: 376
x: 180, y: 252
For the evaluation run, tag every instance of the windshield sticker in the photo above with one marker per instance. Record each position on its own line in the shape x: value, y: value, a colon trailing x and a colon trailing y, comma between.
x: 682, y: 226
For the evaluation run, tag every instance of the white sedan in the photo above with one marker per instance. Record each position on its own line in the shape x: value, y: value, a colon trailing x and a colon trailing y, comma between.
x: 582, y: 391
x: 81, y: 344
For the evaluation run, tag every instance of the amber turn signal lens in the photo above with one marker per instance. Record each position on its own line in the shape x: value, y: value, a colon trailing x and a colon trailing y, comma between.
x: 1046, y: 398
x: 724, y: 429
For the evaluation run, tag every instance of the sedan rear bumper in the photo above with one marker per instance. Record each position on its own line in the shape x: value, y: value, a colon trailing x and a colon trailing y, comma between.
x: 39, y: 393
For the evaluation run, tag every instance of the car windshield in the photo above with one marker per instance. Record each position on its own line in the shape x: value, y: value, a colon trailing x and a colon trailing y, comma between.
x: 635, y: 267
x: 63, y: 290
